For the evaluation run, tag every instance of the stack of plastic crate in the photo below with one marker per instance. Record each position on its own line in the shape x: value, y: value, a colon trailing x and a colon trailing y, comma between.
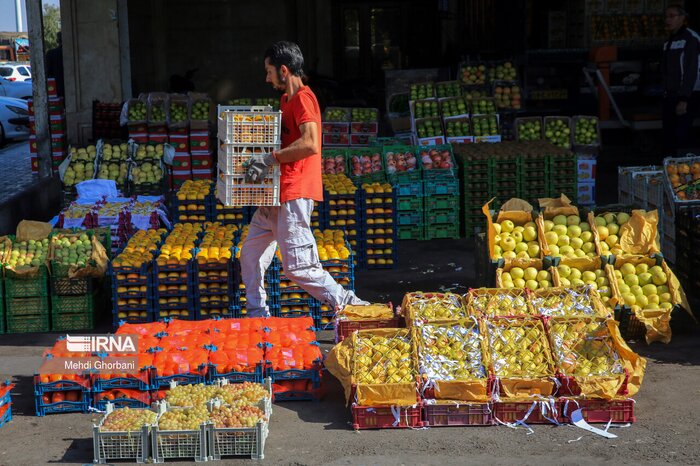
x: 441, y: 189
x: 214, y: 281
x: 343, y: 211
x: 478, y: 185
x: 57, y: 394
x: 192, y: 202
x: 563, y: 175
x: 244, y: 131
x: 27, y: 300
x: 404, y: 173
x: 380, y: 218
x: 508, y: 176
x: 272, y: 289
x: 72, y: 300
x: 535, y: 175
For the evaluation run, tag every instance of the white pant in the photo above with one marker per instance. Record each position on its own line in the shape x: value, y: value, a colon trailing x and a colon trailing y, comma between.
x: 290, y: 226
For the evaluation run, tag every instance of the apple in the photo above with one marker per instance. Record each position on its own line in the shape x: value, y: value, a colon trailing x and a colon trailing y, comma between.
x: 565, y: 282
x: 554, y: 250
x: 575, y: 274
x: 612, y: 240
x: 586, y: 236
x: 641, y: 268
x: 559, y: 229
x: 563, y: 241
x: 574, y: 231
x: 644, y: 278
x: 629, y: 299
x: 577, y: 243
x: 507, y: 226
x: 627, y: 269
x: 497, y: 227
x: 585, y: 226
x: 522, y: 247
x: 559, y: 220
x: 517, y: 272
x: 600, y: 221
x: 551, y: 237
x: 650, y: 289
x: 543, y: 275
x: 631, y: 280
x: 530, y: 273
x: 623, y: 218
x: 530, y: 234
x: 603, y: 232
x: 564, y: 271
x: 531, y: 285
x: 613, y: 229
x: 533, y: 249
x: 508, y: 244
x: 548, y: 225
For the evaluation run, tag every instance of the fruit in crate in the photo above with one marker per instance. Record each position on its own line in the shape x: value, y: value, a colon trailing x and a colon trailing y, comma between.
x: 128, y: 420
x: 147, y: 173
x: 608, y: 227
x: 158, y: 111
x: 483, y: 106
x: 426, y: 109
x: 584, y: 348
x: 82, y: 166
x: 513, y: 241
x: 338, y: 185
x: 184, y: 418
x: 454, y: 107
x: 518, y: 349
x: 508, y: 96
x: 485, y: 125
x: 331, y: 245
x: 400, y: 162
x: 433, y: 159
x: 435, y: 307
x: 115, y: 152
x: 364, y: 115
x: 568, y: 236
x: 230, y: 417
x: 450, y: 353
x: 149, y: 151
x: 475, y: 94
x: 429, y: 128
x: 336, y: 115
x: 194, y: 190
x: 529, y: 130
x: 31, y: 253
x: 137, y: 111
x: 596, y: 279
x: 454, y: 128
x: 138, y: 249
x: 503, y: 72
x: 200, y: 110
x: 529, y: 278
x: 333, y: 165
x: 243, y: 101
x: 116, y: 171
x: 84, y: 154
x: 474, y: 74
x: 422, y: 91
x: 366, y: 164
x: 72, y: 250
x: 381, y: 360
x: 558, y: 133
x: 178, y: 246
x: 643, y: 287
x: 586, y: 131
x: 217, y: 243
x: 178, y: 112
x: 272, y: 102
x: 448, y: 89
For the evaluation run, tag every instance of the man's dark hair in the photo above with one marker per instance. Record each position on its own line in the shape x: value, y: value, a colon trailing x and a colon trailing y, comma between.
x: 287, y: 54
x: 679, y: 10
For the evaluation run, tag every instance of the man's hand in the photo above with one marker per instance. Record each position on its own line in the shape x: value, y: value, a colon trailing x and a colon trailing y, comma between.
x: 257, y: 167
x: 681, y: 108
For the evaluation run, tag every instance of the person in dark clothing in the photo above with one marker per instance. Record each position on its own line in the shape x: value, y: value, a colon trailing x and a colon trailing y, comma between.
x: 54, y: 65
x: 681, y: 80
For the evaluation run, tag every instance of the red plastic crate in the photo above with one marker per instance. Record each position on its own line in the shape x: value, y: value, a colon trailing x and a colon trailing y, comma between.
x: 344, y: 328
x: 336, y: 139
x: 569, y: 387
x: 468, y: 414
x: 137, y: 128
x: 158, y: 138
x: 199, y: 141
x: 140, y: 138
x: 598, y: 411
x: 518, y: 411
x: 382, y: 417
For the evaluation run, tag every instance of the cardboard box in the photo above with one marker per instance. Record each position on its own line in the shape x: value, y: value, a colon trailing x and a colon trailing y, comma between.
x: 586, y: 169
x: 435, y: 141
x: 181, y: 143
x: 199, y: 141
x: 182, y: 162
x: 586, y: 193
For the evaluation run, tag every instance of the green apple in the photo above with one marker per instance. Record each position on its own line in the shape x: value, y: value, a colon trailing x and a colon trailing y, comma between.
x: 622, y: 218
x: 627, y: 269
x: 509, y: 255
x: 575, y: 274
x: 585, y: 226
x: 531, y: 285
x: 631, y: 280
x: 533, y: 249
x: 519, y: 283
x: 543, y: 275
x: 563, y: 241
x: 574, y: 231
x: 564, y: 271
x: 644, y: 279
x: 508, y: 244
x: 613, y: 229
x: 566, y: 251
x: 530, y: 273
x: 629, y: 299
x: 554, y: 250
x: 497, y: 227
x: 548, y: 225
x: 612, y: 240
x: 559, y: 220
x: 565, y: 282
x: 530, y: 234
x: 517, y: 272
x: 521, y: 247
x: 507, y: 226
x: 600, y: 221
x: 559, y: 230
x: 603, y: 232
x: 586, y: 236
x: 551, y: 237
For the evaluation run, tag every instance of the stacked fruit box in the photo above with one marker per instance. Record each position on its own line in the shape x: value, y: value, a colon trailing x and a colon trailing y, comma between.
x: 178, y: 136
x: 57, y: 128
x: 366, y: 165
x: 625, y: 185
x: 192, y: 202
x: 485, y: 120
x: 243, y: 132
x: 380, y: 216
x: 132, y: 278
x: 535, y: 170
x: 336, y: 127
x: 364, y: 126
x: 455, y: 116
x: 215, y: 281
x: 563, y: 172
x: 478, y: 185
x: 404, y: 173
x: 342, y: 208
x: 61, y: 394
x: 26, y: 287
x: 72, y: 299
x: 441, y: 189
x: 271, y: 282
x: 508, y: 170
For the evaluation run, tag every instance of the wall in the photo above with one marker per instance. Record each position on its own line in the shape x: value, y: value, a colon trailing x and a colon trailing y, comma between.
x: 91, y: 55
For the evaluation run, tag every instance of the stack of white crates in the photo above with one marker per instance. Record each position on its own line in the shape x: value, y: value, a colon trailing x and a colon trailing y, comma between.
x: 244, y: 131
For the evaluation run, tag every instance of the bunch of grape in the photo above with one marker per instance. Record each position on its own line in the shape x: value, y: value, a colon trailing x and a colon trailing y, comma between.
x: 190, y: 395
x: 247, y: 392
x: 229, y: 416
x: 125, y: 420
x: 184, y: 419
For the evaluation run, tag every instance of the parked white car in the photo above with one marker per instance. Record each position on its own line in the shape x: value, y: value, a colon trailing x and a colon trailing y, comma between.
x: 14, y: 119
x: 16, y: 89
x: 15, y: 72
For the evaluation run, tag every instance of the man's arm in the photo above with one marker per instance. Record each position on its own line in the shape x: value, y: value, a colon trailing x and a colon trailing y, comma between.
x: 306, y: 146
x: 690, y: 68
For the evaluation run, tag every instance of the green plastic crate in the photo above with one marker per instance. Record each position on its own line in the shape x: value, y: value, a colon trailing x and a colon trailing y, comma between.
x: 2, y: 322
x: 72, y: 304
x: 73, y: 321
x: 411, y: 233
x: 409, y: 203
x: 27, y: 324
x: 441, y: 216
x: 16, y: 286
x: 441, y: 202
x: 450, y: 231
x: 27, y: 306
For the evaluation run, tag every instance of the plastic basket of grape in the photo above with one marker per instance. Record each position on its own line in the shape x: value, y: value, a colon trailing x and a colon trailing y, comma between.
x: 122, y: 434
x: 180, y: 433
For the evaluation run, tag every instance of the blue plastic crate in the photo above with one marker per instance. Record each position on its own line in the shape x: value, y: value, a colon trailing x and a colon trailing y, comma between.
x: 442, y: 187
x: 409, y: 189
x: 130, y: 383
x: 188, y: 269
x: 409, y: 218
x: 160, y: 382
x: 58, y: 386
x: 82, y: 406
x: 295, y: 374
x: 256, y: 376
x: 118, y: 321
x: 143, y: 272
x: 120, y: 403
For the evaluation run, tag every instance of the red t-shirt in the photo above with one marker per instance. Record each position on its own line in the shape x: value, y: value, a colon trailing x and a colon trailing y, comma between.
x: 300, y: 179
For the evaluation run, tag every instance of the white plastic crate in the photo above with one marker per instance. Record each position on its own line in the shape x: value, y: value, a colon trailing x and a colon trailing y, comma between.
x: 623, y: 197
x: 248, y: 441
x: 126, y: 445
x: 624, y: 175
x: 232, y: 156
x: 172, y: 444
x: 249, y: 125
x: 231, y: 190
x: 641, y: 185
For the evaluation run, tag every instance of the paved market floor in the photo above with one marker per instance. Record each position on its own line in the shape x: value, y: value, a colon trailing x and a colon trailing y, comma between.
x: 16, y: 169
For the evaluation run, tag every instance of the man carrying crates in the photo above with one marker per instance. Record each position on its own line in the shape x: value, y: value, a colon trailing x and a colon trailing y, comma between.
x: 289, y: 225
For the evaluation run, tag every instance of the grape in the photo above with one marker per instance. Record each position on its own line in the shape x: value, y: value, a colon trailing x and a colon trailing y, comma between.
x: 126, y: 419
x: 228, y: 416
x: 184, y: 419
